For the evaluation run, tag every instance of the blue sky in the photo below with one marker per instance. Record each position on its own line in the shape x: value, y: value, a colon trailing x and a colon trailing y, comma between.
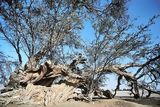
x: 143, y: 10
x: 140, y: 9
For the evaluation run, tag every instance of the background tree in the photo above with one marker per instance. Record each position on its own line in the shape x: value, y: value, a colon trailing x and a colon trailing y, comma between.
x: 6, y: 67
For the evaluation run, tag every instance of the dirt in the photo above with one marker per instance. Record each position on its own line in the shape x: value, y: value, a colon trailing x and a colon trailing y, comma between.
x: 103, y: 103
x: 119, y: 101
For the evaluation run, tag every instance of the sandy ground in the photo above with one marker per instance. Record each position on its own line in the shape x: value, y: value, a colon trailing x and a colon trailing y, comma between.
x: 99, y: 103
x: 122, y: 100
x: 103, y: 103
x: 125, y: 102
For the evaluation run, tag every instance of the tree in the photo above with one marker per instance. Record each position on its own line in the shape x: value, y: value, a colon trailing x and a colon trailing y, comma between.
x: 36, y: 29
x: 6, y: 67
x: 119, y: 42
x: 45, y: 29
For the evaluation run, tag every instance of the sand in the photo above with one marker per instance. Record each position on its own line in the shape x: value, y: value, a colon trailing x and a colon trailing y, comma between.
x: 122, y: 100
x: 103, y: 103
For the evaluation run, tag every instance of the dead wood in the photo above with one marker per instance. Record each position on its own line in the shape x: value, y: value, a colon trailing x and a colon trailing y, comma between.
x: 35, y: 94
x: 120, y: 71
x: 118, y: 84
x: 49, y: 84
x: 60, y: 80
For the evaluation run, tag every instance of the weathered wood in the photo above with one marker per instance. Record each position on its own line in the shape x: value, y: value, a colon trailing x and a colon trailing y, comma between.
x: 120, y: 71
x: 35, y: 94
x: 48, y: 84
